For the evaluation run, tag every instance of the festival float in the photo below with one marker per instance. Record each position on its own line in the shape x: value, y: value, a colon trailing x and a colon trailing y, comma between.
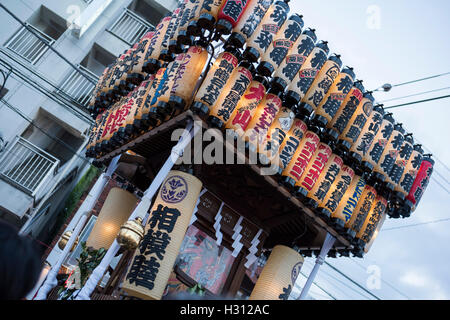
x: 313, y: 164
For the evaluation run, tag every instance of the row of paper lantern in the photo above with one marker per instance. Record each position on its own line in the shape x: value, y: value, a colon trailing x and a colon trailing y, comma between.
x: 153, y: 261
x: 274, y: 117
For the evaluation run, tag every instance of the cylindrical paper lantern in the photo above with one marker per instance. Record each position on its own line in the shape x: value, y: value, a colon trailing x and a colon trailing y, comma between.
x: 278, y: 276
x: 135, y: 72
x: 348, y: 108
x: 247, y: 105
x: 370, y: 224
x: 291, y: 144
x: 256, y: 132
x: 362, y: 209
x: 295, y: 169
x: 280, y: 46
x: 169, y: 219
x: 142, y: 119
x: 421, y: 181
x: 410, y: 172
x: 390, y: 153
x: 208, y: 13
x: 249, y: 21
x: 215, y: 81
x: 350, y: 199
x: 118, y: 206
x: 380, y: 141
x: 152, y: 64
x: 314, y: 168
x: 263, y: 36
x: 325, y: 179
x: 336, y: 95
x: 187, y: 76
x: 295, y: 59
x: 230, y: 14
x: 323, y: 81
x: 303, y: 80
x: 403, y: 157
x: 277, y: 133
x: 367, y: 135
x: 337, y: 190
x: 166, y: 54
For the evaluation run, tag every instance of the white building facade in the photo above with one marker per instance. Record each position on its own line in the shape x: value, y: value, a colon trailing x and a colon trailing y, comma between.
x: 44, y: 122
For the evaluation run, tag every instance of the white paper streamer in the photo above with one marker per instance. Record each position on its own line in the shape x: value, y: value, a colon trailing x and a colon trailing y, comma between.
x: 194, y: 217
x: 251, y: 257
x: 218, y: 218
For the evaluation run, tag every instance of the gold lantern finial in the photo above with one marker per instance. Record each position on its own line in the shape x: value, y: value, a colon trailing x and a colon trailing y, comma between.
x: 65, y: 238
x: 130, y: 234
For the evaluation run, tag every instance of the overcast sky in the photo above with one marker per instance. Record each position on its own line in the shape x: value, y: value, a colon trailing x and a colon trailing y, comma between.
x: 412, y: 42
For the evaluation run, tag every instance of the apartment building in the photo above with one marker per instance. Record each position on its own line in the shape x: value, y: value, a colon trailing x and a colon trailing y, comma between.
x: 43, y: 118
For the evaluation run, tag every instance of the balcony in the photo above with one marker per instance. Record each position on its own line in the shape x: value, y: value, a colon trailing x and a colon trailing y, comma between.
x: 27, y: 166
x: 78, y: 87
x: 27, y: 45
x: 130, y: 27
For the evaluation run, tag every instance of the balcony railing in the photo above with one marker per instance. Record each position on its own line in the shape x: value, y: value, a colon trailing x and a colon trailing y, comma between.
x: 78, y: 87
x: 27, y: 45
x: 130, y: 27
x: 27, y: 166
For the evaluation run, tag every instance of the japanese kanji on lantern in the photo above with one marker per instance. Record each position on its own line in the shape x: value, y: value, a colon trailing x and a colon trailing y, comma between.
x: 348, y: 203
x: 144, y: 118
x: 152, y: 64
x: 276, y: 134
x: 294, y: 60
x: 367, y: 231
x: 188, y: 74
x: 248, y: 22
x: 247, y: 106
x: 333, y: 197
x: 307, y: 73
x: 335, y: 96
x: 279, y: 275
x: 181, y: 35
x: 229, y: 15
x: 135, y: 74
x: 214, y: 82
x: 262, y: 37
x: 356, y: 123
x: 402, y: 188
x: 237, y: 84
x: 363, y: 206
x: 280, y: 46
x: 367, y: 135
x: 118, y: 206
x: 419, y: 186
x: 169, y: 219
x: 256, y: 132
x: 316, y: 165
x: 297, y: 166
x: 208, y: 14
x: 166, y: 54
x: 290, y: 144
x: 323, y: 82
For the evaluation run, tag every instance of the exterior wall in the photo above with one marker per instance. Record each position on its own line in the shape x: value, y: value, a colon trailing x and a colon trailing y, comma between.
x: 54, y: 70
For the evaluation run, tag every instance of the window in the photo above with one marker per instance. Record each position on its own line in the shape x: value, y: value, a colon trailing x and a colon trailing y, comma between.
x: 72, y: 260
x: 43, y: 28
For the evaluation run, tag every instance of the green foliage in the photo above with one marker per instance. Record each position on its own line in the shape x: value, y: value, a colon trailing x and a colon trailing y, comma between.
x: 89, y: 259
x: 197, y: 290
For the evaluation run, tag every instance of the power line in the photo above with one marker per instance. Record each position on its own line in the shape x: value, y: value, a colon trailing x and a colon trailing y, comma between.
x: 414, y: 95
x: 351, y: 280
x: 416, y: 224
x: 345, y: 285
x: 416, y: 102
x: 422, y: 79
x: 315, y: 283
x: 384, y: 281
x: 439, y: 184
